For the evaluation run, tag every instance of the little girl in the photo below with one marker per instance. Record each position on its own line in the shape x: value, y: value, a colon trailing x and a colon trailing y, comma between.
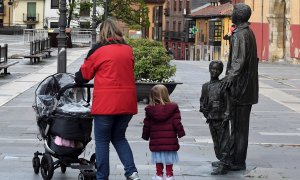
x: 162, y: 125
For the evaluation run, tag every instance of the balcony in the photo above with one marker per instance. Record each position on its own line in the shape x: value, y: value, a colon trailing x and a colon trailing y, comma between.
x: 172, y: 35
x: 32, y: 19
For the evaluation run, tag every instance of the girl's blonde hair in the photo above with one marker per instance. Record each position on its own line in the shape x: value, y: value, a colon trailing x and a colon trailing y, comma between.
x: 109, y: 31
x: 159, y: 95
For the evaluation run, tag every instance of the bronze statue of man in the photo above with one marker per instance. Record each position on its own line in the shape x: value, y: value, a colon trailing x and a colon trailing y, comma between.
x: 242, y: 81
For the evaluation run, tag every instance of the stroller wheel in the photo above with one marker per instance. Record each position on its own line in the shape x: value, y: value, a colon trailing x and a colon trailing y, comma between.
x: 63, y: 168
x: 36, y: 164
x: 47, y: 167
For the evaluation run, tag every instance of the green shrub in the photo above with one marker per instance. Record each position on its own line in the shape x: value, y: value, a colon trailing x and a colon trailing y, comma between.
x: 152, y: 63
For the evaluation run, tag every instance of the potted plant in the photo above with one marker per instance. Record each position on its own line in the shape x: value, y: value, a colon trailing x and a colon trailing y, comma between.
x: 152, y: 66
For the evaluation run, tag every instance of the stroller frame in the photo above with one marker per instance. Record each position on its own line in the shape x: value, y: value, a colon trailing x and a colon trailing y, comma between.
x: 47, y: 165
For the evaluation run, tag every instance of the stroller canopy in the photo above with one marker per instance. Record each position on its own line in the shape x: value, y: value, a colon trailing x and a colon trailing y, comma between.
x: 72, y: 101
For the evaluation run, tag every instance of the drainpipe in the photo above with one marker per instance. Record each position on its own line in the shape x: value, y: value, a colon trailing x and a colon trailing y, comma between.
x: 262, y: 29
x: 44, y: 13
x: 284, y: 31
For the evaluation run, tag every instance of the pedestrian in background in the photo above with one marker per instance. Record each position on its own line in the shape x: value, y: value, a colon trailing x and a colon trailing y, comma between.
x: 110, y: 62
x: 170, y: 53
x: 162, y: 125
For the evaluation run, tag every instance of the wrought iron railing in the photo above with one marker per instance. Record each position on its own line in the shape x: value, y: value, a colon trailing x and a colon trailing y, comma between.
x: 173, y: 35
x: 32, y: 18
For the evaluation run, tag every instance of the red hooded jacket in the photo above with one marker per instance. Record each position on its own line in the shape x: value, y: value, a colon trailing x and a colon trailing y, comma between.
x: 111, y: 66
x: 162, y: 125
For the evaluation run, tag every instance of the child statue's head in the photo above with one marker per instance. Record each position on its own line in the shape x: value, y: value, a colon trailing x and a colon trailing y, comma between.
x: 215, y: 68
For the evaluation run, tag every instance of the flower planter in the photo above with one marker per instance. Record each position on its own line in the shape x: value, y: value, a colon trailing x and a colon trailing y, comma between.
x: 143, y: 89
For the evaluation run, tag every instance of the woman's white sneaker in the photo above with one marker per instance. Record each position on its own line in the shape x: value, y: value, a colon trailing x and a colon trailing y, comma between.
x: 134, y: 176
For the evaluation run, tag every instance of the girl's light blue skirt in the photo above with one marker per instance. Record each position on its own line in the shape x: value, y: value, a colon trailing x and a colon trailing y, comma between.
x: 165, y: 157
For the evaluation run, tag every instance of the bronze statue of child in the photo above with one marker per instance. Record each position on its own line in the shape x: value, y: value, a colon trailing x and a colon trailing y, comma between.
x: 214, y: 104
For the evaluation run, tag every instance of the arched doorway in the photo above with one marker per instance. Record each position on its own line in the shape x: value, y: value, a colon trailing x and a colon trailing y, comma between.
x: 279, y: 30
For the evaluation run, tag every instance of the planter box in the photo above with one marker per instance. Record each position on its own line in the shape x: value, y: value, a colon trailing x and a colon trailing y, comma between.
x: 143, y: 89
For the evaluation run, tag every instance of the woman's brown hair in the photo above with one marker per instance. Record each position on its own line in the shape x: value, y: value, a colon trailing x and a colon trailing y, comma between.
x: 109, y: 31
x: 159, y: 95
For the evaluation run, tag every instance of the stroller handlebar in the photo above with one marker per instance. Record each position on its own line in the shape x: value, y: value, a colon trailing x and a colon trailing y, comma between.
x: 69, y: 86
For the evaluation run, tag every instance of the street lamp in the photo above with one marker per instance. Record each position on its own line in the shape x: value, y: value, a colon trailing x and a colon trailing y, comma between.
x: 106, y: 9
x: 10, y: 3
x: 94, y: 25
x: 62, y: 39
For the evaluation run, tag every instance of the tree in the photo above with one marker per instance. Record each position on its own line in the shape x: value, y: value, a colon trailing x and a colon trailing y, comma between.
x: 132, y: 12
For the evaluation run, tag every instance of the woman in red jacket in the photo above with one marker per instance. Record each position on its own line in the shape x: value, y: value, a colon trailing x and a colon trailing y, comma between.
x: 162, y: 125
x: 110, y: 62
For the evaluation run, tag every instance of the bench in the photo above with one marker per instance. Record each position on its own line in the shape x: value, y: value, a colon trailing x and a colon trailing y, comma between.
x: 35, y: 54
x: 4, y: 64
x: 45, y: 47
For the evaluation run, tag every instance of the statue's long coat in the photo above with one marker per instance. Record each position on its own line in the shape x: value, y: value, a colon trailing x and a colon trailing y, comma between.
x: 242, y: 65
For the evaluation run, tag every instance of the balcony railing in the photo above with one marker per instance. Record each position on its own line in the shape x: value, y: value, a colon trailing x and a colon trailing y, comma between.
x: 172, y: 35
x: 31, y: 19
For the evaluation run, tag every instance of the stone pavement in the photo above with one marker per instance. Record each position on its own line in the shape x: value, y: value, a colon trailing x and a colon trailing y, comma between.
x: 274, y: 143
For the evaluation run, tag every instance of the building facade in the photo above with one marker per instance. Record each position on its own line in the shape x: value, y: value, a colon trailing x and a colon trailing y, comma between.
x: 156, y: 19
x: 6, y: 12
x: 276, y: 24
x: 213, y: 21
x: 29, y: 13
x: 177, y: 34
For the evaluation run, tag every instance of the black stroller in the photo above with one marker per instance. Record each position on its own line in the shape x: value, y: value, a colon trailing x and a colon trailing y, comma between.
x: 65, y: 125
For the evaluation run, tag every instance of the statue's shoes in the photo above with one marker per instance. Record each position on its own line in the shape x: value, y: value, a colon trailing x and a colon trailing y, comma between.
x: 216, y: 163
x: 233, y: 167
x: 219, y: 171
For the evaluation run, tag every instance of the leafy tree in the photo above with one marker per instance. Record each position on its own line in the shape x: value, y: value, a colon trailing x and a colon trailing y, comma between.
x: 132, y: 12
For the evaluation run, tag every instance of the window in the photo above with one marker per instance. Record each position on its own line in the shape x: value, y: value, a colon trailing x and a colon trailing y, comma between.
x: 153, y: 14
x: 175, y: 4
x: 180, y: 5
x: 201, y: 36
x: 179, y: 26
x: 31, y: 11
x: 1, y: 7
x: 188, y: 7
x: 54, y: 4
x: 215, y: 32
x: 53, y: 24
x: 174, y: 25
x: 167, y: 25
x: 157, y: 14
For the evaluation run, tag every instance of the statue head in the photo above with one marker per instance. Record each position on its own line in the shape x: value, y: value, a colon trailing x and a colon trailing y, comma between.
x: 241, y: 13
x: 215, y: 68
